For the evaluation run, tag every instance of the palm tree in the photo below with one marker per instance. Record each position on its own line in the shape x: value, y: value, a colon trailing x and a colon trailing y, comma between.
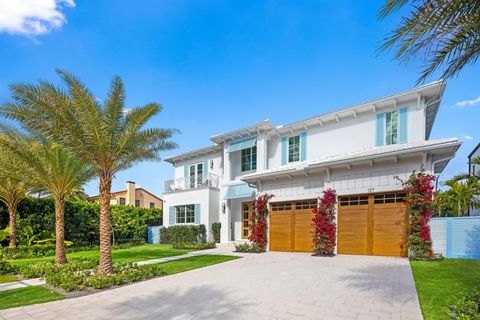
x: 106, y: 137
x: 52, y: 168
x: 461, y: 195
x: 13, y: 188
x: 446, y: 32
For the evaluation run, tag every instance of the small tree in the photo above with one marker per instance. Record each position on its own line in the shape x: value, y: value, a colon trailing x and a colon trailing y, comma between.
x: 13, y: 188
x: 53, y: 168
x: 323, y: 221
x: 259, y: 224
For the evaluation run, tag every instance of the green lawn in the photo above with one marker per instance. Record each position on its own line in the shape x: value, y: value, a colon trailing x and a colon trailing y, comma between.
x: 185, y: 264
x: 439, y: 282
x: 27, y: 296
x: 133, y: 254
x: 8, y: 278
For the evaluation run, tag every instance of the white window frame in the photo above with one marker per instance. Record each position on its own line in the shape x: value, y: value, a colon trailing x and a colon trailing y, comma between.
x: 299, y: 148
x: 185, y: 218
x: 197, y: 178
x: 251, y: 162
x: 385, y: 126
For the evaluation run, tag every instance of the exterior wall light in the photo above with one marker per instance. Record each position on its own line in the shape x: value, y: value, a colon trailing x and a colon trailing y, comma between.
x: 223, y: 207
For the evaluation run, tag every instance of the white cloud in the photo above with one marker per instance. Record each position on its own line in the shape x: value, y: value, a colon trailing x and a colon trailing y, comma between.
x: 32, y: 17
x: 467, y: 137
x: 468, y: 103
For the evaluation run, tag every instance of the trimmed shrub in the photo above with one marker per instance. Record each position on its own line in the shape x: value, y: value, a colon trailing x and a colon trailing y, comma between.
x: 248, y: 247
x: 5, y: 267
x: 194, y: 246
x: 466, y: 306
x: 184, y: 234
x: 46, y: 250
x: 216, y: 227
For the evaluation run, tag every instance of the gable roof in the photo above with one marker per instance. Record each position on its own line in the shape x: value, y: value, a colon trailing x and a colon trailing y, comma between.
x: 474, y: 150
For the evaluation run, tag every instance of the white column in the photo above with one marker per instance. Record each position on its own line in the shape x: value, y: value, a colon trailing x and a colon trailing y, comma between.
x: 225, y: 220
x: 262, y: 154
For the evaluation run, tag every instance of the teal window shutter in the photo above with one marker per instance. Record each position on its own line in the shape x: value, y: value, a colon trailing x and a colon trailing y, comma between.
x: 205, y: 168
x: 303, y: 146
x: 171, y: 215
x: 284, y: 150
x: 403, y: 125
x: 379, y: 132
x: 197, y: 212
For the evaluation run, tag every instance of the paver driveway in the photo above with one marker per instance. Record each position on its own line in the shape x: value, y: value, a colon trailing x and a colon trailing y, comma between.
x: 260, y: 286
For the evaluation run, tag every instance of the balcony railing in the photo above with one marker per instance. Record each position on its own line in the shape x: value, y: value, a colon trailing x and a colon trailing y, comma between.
x: 194, y: 182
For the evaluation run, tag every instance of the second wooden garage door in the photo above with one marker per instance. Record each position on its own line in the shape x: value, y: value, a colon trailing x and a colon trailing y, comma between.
x: 372, y: 224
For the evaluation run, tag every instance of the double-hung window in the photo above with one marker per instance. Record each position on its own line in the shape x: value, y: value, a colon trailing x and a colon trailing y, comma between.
x: 185, y: 214
x: 391, y: 127
x: 293, y: 148
x: 122, y: 201
x: 249, y: 159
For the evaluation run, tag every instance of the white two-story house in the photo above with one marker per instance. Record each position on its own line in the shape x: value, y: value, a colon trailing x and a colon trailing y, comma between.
x: 358, y: 151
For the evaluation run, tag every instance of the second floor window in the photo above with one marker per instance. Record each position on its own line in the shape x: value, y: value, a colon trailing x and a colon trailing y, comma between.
x: 137, y: 203
x: 294, y: 149
x: 152, y: 205
x: 122, y: 201
x: 185, y: 214
x: 249, y: 159
x: 391, y: 127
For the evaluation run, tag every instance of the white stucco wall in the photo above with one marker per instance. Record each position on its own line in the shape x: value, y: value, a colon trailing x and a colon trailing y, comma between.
x: 206, y: 197
x: 349, y: 134
x: 217, y: 164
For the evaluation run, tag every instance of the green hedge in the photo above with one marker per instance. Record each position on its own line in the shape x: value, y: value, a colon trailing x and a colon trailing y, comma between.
x: 82, y: 220
x: 184, y: 234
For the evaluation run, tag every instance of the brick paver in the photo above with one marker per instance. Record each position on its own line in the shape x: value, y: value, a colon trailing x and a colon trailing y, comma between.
x: 271, y: 285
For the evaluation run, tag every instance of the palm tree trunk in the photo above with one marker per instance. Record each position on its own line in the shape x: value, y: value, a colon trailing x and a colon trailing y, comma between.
x: 12, y: 212
x: 105, y: 265
x: 60, y: 255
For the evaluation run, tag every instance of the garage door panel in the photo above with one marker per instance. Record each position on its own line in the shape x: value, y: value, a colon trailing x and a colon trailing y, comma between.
x: 352, y: 230
x: 280, y: 232
x: 303, y: 231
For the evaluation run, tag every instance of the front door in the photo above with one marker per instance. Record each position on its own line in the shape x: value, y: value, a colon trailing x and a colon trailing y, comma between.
x: 247, y: 210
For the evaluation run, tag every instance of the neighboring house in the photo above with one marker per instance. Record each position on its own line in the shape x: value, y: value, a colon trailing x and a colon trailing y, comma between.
x: 357, y: 150
x: 475, y: 170
x: 134, y: 196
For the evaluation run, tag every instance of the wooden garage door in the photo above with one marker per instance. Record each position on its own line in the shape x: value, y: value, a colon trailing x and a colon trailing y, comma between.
x: 372, y: 224
x: 291, y: 226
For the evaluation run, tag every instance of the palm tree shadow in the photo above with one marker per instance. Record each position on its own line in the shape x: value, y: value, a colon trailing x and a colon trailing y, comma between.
x: 201, y: 302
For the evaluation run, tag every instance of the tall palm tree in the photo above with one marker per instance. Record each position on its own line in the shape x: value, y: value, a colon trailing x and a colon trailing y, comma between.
x: 445, y: 32
x: 104, y: 136
x: 13, y: 188
x: 53, y: 168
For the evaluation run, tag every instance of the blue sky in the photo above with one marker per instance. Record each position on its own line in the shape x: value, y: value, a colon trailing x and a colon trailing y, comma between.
x: 220, y: 65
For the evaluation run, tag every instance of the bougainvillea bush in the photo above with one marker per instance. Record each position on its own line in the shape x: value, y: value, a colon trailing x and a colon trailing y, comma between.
x: 259, y: 224
x: 325, y: 226
x: 419, y: 189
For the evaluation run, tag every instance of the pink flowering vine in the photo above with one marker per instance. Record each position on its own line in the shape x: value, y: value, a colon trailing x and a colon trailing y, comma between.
x: 323, y: 221
x: 419, y: 189
x: 258, y: 223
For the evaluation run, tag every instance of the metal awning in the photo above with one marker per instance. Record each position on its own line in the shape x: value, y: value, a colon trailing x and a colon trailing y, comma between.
x: 239, y: 191
x: 243, y: 144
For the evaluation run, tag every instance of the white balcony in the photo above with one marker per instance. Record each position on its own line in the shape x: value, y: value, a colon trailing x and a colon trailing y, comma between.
x: 194, y: 182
